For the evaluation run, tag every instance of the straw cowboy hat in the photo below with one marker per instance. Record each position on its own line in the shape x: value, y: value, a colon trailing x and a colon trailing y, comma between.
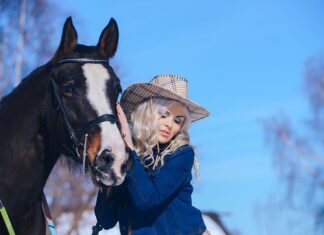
x: 163, y: 86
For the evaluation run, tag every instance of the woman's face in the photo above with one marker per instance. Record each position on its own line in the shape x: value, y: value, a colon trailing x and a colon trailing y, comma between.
x: 171, y: 121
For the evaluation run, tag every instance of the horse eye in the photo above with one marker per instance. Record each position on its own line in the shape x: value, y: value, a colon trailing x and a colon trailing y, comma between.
x: 68, y: 89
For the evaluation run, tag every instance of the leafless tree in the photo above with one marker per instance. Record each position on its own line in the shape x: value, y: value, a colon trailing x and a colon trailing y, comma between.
x: 25, y: 27
x: 298, y: 150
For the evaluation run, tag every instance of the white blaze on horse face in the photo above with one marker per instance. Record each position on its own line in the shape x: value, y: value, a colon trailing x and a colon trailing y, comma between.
x: 96, y: 78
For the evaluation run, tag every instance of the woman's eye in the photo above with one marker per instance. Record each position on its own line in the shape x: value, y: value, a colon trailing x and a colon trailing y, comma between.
x: 178, y: 121
x: 164, y: 115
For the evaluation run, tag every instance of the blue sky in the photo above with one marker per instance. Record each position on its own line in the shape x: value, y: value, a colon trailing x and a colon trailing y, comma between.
x: 244, y: 61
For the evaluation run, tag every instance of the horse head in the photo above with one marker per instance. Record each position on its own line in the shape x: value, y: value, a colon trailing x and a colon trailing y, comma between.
x: 81, y: 121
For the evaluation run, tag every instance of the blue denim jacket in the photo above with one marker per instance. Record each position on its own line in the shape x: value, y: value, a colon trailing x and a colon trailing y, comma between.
x: 154, y: 201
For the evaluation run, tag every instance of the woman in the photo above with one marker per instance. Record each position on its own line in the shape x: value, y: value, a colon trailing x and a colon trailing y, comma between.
x: 156, y: 195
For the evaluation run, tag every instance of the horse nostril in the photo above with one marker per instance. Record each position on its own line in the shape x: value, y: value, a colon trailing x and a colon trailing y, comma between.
x: 107, y: 156
x: 104, y: 154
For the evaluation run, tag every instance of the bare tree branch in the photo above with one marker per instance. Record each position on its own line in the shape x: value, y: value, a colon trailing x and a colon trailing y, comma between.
x: 299, y: 156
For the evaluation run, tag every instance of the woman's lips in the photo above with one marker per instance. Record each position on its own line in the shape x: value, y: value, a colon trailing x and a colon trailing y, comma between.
x: 164, y: 133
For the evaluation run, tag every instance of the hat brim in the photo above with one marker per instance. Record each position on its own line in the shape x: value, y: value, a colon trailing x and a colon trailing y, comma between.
x: 140, y: 92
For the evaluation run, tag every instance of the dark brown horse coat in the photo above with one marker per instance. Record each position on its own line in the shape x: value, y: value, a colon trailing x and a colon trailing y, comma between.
x: 33, y: 130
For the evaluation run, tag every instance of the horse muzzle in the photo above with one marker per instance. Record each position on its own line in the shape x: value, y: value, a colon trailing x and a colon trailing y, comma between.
x: 104, y: 172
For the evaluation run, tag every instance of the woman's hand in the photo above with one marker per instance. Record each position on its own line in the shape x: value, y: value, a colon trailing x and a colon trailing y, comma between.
x: 124, y: 128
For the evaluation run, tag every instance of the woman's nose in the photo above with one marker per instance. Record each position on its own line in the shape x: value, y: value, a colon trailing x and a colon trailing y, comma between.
x: 168, y: 123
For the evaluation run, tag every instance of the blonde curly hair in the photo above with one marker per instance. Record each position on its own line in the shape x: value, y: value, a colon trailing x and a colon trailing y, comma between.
x: 145, y: 128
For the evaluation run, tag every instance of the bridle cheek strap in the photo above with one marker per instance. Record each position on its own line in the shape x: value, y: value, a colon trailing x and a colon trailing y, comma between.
x: 60, y: 108
x: 75, y: 136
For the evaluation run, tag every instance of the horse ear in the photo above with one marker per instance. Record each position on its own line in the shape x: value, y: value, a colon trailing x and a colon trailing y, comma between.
x: 69, y: 40
x: 108, y: 40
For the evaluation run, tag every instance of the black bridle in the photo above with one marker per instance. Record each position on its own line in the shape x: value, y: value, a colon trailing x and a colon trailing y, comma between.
x: 76, y: 135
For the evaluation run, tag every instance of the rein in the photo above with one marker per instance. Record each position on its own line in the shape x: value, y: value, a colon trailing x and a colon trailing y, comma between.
x: 6, y: 219
x: 46, y: 211
x: 48, y: 215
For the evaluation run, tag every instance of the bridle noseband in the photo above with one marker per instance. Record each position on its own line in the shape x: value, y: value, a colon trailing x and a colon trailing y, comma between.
x: 75, y: 136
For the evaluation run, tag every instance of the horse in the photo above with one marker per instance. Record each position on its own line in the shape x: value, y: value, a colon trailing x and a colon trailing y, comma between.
x: 66, y: 108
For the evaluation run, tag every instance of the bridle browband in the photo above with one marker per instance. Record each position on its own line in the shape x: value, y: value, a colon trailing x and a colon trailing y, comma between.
x: 80, y: 60
x: 75, y: 136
